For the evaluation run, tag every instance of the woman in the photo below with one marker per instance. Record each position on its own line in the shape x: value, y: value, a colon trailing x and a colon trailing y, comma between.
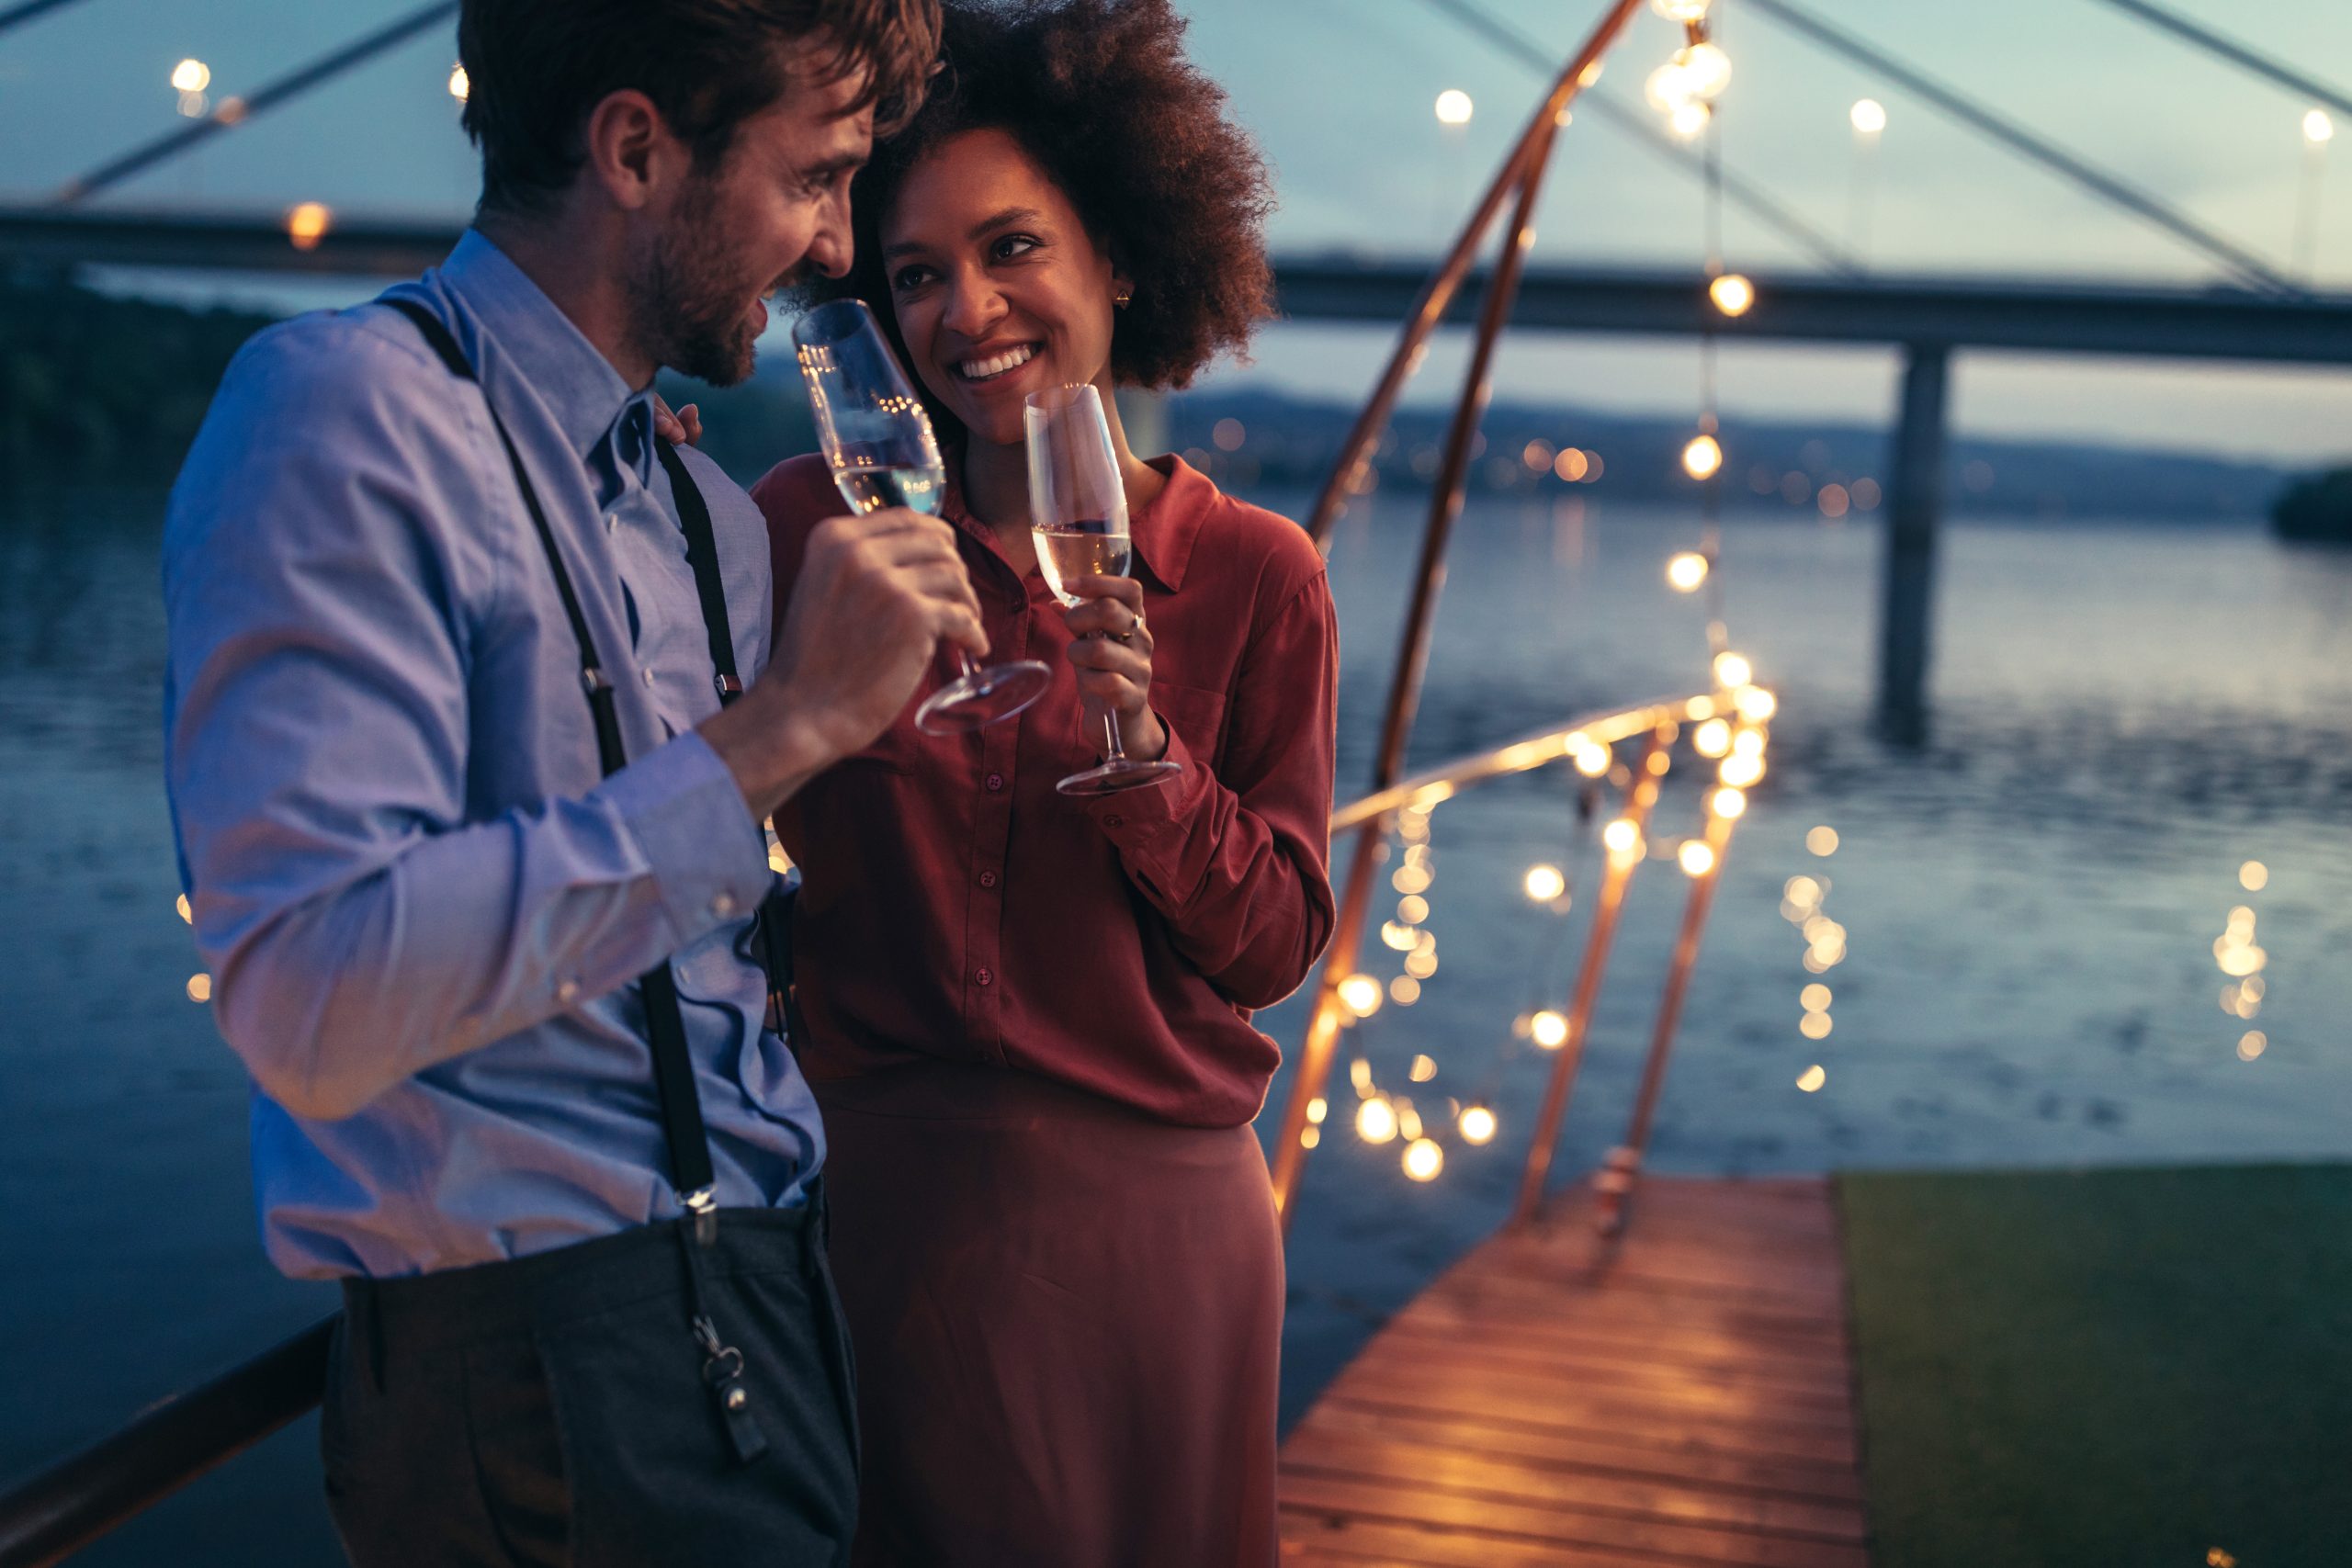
x: 1027, y: 1015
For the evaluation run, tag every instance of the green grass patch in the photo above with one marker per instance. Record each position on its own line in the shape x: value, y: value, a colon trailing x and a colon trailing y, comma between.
x: 2114, y: 1369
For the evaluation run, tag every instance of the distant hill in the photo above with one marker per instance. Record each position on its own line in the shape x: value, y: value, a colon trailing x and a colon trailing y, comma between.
x: 93, y: 386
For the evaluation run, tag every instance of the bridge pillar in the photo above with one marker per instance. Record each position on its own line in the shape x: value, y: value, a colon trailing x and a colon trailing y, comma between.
x: 1916, y: 506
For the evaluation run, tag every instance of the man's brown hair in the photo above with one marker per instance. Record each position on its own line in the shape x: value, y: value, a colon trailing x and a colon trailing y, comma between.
x: 537, y: 68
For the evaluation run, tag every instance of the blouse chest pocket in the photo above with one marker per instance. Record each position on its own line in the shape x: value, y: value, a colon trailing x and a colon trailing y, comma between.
x: 1194, y: 712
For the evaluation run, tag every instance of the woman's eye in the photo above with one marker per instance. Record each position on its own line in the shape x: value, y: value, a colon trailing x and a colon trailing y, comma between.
x: 1012, y: 245
x: 908, y: 278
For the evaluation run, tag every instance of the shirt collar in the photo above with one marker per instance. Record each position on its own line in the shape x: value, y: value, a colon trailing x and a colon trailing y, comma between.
x: 606, y: 421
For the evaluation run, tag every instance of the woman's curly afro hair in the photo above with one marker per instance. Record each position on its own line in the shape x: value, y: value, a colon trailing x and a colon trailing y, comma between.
x: 1100, y: 94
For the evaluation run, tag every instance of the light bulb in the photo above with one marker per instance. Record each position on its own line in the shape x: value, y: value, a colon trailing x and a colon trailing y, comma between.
x: 1622, y: 836
x: 191, y: 75
x: 1711, y: 739
x: 1755, y: 704
x: 1544, y: 882
x: 1742, y: 772
x: 1696, y: 856
x: 1706, y: 71
x: 1477, y: 1125
x: 1732, y: 293
x: 1455, y: 108
x: 1869, y: 117
x: 1359, y: 993
x: 1727, y: 803
x: 1733, y: 672
x: 1687, y: 571
x: 1549, y: 1030
x: 1682, y: 10
x: 1668, y: 87
x: 1689, y: 119
x: 1376, y: 1120
x: 1423, y: 1160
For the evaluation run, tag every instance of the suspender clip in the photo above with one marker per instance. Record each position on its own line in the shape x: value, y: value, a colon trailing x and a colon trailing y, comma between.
x: 730, y: 688
x: 703, y: 1204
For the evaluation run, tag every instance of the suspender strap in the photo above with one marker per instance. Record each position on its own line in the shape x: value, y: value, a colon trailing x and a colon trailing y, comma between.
x: 673, y: 1074
x: 702, y: 554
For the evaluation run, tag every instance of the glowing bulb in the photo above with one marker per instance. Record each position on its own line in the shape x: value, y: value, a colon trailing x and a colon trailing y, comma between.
x: 1812, y: 1078
x: 1689, y: 119
x: 2253, y: 877
x: 1412, y: 909
x: 191, y: 75
x: 1477, y: 1125
x: 1755, y: 704
x: 1423, y: 1160
x: 1544, y: 882
x: 2252, y: 1044
x: 1815, y: 997
x: 1727, y: 803
x: 1696, y: 857
x: 1311, y: 1137
x: 1732, y: 672
x: 1359, y: 993
x: 1822, y: 841
x: 1402, y: 938
x: 1732, y: 293
x: 1548, y: 1029
x: 1420, y: 965
x: 1670, y: 87
x: 1455, y: 108
x: 1815, y: 1026
x: 1404, y: 990
x: 1706, y: 71
x: 1408, y: 1122
x: 460, y: 85
x: 1318, y: 1108
x: 2318, y: 128
x: 306, y: 224
x: 1869, y: 117
x: 1682, y: 10
x: 1376, y: 1120
x: 1423, y: 1069
x: 1803, y: 891
x: 1592, y: 761
x: 1686, y: 571
x: 199, y: 988
x: 1711, y: 739
x: 1742, y: 772
x: 1622, y: 836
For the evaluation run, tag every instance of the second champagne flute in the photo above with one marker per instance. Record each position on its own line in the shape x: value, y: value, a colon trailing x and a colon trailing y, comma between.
x: 878, y: 443
x: 1078, y: 513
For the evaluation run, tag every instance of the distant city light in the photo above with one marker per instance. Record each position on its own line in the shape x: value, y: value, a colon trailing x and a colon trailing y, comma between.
x: 306, y: 223
x: 2318, y: 127
x: 1454, y: 106
x: 1687, y: 571
x: 460, y: 85
x: 1869, y: 117
x: 1732, y: 293
x: 194, y: 76
x: 1702, y: 456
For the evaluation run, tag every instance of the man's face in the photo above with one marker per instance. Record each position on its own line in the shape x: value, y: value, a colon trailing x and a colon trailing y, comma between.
x: 773, y: 208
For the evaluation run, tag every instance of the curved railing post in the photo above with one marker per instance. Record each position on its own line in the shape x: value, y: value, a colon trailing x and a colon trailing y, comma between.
x: 1525, y: 170
x: 1616, y: 876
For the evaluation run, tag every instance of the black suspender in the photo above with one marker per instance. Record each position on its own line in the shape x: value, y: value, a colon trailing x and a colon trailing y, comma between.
x: 673, y: 1074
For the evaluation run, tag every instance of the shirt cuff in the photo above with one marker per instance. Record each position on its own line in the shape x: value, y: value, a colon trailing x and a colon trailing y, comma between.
x: 687, y: 815
x: 1148, y: 823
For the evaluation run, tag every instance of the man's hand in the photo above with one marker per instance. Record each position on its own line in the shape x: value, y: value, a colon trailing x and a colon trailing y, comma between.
x: 875, y: 596
x: 683, y: 428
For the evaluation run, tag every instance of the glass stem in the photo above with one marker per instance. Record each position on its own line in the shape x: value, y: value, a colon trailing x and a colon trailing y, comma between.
x: 1111, y: 729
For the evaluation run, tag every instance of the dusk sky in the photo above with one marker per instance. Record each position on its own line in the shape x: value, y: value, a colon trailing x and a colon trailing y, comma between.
x: 1340, y: 93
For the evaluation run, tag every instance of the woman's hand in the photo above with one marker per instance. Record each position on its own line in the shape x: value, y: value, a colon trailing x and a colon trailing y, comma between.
x: 1112, y: 653
x: 683, y: 428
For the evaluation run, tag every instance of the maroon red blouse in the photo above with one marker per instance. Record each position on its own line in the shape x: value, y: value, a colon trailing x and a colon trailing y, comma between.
x: 956, y: 908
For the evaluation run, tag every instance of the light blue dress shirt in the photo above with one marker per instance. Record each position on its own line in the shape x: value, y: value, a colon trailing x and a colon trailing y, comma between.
x: 425, y: 910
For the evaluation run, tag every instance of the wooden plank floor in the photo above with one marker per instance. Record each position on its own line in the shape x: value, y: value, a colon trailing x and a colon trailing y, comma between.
x: 1684, y: 1398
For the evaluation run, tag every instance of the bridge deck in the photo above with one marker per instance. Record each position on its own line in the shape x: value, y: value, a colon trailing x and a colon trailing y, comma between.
x: 1683, y: 1399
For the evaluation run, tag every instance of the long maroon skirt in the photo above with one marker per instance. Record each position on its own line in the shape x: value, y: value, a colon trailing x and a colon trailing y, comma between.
x: 1067, y: 1323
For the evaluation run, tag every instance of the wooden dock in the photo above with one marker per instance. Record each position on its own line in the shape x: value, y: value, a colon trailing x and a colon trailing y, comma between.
x: 1682, y: 1398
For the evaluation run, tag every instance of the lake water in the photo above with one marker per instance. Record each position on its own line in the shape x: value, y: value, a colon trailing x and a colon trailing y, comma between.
x: 2125, y: 715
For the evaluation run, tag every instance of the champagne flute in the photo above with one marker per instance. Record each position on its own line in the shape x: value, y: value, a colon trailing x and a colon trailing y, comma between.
x: 1078, y: 513
x: 879, y: 442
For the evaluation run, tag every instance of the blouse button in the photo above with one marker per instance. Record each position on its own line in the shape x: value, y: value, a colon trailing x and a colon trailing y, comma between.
x: 988, y: 879
x: 1115, y: 820
x: 986, y: 976
x: 994, y: 780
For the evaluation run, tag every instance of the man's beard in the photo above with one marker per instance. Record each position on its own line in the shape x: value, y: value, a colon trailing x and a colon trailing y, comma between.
x: 689, y: 299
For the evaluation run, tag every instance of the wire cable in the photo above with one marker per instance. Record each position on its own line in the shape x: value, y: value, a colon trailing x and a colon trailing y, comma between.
x: 2236, y: 53
x: 27, y: 11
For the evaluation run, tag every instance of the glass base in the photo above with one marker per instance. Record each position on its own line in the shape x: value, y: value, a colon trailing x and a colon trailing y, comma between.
x: 1118, y: 775
x: 982, y: 697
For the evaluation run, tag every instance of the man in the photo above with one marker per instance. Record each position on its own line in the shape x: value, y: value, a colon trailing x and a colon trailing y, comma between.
x: 471, y: 837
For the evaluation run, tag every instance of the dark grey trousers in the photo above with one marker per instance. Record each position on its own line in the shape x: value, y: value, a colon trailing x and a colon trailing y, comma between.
x: 552, y: 1410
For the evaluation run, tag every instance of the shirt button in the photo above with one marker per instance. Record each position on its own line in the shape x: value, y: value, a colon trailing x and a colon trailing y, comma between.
x: 994, y: 780
x: 565, y: 992
x: 649, y: 674
x: 988, y: 879
x: 986, y: 976
x: 723, y: 906
x: 612, y: 522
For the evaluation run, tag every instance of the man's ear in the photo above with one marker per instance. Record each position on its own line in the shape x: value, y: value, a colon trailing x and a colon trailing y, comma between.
x: 633, y: 154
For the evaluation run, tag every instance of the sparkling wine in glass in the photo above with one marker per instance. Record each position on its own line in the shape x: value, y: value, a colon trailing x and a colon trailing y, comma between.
x: 879, y: 445
x: 1077, y: 514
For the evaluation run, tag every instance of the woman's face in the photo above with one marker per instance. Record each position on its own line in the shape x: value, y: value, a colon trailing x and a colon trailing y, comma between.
x: 999, y: 291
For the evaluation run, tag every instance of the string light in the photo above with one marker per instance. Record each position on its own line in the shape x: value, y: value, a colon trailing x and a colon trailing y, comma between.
x: 1408, y: 1122
x: 1359, y: 993
x: 1755, y: 704
x: 1689, y: 119
x: 1702, y: 456
x: 2253, y: 877
x: 1622, y: 836
x: 1741, y: 773
x: 306, y: 223
x: 1727, y: 803
x: 1423, y: 1069
x: 1711, y: 739
x: 460, y: 85
x: 1822, y: 841
x: 1812, y: 1078
x: 1815, y: 1026
x: 1376, y: 1120
x: 1477, y: 1125
x: 191, y: 76
x: 1544, y: 882
x: 1404, y: 990
x: 1548, y: 1029
x: 1868, y: 116
x: 1814, y: 997
x: 1696, y: 856
x: 1732, y: 293
x: 1592, y: 761
x: 1318, y: 1108
x: 1687, y: 571
x: 1455, y: 108
x: 2318, y: 130
x: 1733, y: 672
x: 1423, y: 1160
